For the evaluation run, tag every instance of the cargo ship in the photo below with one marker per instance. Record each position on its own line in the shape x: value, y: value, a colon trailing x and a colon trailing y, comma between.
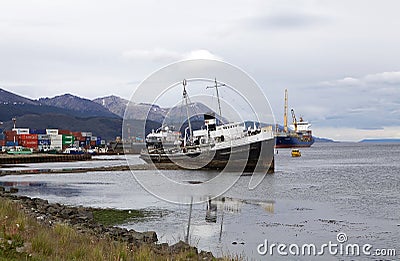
x: 299, y: 135
x: 229, y: 146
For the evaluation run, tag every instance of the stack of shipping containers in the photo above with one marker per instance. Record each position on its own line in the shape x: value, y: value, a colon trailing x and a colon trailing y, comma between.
x: 49, y: 139
x: 11, y: 138
x: 43, y: 142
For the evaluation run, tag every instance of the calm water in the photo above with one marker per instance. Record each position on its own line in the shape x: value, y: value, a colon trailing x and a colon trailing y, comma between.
x: 332, y: 188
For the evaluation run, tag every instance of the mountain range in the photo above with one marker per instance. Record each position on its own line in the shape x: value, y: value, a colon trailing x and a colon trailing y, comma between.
x: 102, y: 116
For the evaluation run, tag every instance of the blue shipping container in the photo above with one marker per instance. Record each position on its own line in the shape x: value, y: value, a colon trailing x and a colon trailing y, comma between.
x: 43, y: 142
x: 35, y: 131
x: 11, y: 143
x: 98, y: 141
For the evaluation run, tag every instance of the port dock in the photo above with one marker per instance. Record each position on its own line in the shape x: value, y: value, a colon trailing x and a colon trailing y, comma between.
x: 37, y: 158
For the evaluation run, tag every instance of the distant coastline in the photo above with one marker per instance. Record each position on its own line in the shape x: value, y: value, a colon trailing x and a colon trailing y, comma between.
x: 318, y: 139
x: 380, y: 141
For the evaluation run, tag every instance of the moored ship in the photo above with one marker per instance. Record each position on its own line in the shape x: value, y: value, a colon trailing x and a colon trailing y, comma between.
x: 230, y: 146
x: 299, y: 135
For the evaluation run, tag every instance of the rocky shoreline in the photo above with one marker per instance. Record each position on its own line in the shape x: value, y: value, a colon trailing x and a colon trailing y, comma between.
x: 82, y: 220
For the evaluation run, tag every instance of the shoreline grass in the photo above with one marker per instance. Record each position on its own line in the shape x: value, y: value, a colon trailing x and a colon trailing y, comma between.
x: 22, y: 237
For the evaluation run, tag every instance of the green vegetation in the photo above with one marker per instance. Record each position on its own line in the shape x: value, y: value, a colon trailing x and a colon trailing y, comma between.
x: 23, y: 238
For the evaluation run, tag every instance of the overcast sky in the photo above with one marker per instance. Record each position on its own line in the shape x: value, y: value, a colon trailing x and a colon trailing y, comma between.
x: 340, y: 60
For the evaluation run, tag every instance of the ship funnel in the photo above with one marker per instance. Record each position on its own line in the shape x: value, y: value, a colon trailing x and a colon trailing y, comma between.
x: 210, y: 121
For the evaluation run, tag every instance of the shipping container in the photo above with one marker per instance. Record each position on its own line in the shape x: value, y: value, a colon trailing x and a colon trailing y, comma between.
x: 11, y: 138
x: 33, y: 144
x: 43, y: 147
x: 64, y: 132
x: 56, y: 147
x: 43, y: 137
x: 11, y: 143
x: 44, y: 142
x: 56, y: 137
x: 10, y: 135
x: 56, y: 142
x: 10, y: 132
x: 93, y: 143
x: 81, y: 138
x: 86, y: 134
x: 52, y: 131
x: 67, y: 139
x: 21, y: 130
x: 77, y: 133
x: 37, y: 131
x: 28, y: 137
x: 103, y: 142
x: 93, y: 138
x: 2, y: 143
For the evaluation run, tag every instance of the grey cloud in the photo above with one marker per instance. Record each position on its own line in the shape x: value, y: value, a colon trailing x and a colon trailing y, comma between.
x: 363, y: 102
x: 286, y: 20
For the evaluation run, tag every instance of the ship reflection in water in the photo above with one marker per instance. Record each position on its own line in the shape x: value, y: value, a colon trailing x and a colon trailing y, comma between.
x: 231, y: 205
x: 222, y: 206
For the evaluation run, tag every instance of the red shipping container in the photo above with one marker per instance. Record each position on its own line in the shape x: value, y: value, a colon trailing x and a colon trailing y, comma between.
x: 28, y: 137
x: 2, y: 143
x: 10, y: 135
x: 29, y: 143
x: 77, y: 133
x: 10, y: 132
x: 65, y: 132
x: 92, y: 143
x: 11, y: 138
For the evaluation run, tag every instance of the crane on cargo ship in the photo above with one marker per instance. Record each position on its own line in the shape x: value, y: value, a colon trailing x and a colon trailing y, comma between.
x: 294, y: 119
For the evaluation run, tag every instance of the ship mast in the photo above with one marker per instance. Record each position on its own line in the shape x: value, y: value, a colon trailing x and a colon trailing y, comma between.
x: 216, y: 86
x: 185, y: 96
x: 285, y: 126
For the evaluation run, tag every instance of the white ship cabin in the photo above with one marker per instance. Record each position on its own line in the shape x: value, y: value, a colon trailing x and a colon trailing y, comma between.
x: 226, y: 132
x: 302, y: 126
x: 163, y: 135
x: 229, y: 131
